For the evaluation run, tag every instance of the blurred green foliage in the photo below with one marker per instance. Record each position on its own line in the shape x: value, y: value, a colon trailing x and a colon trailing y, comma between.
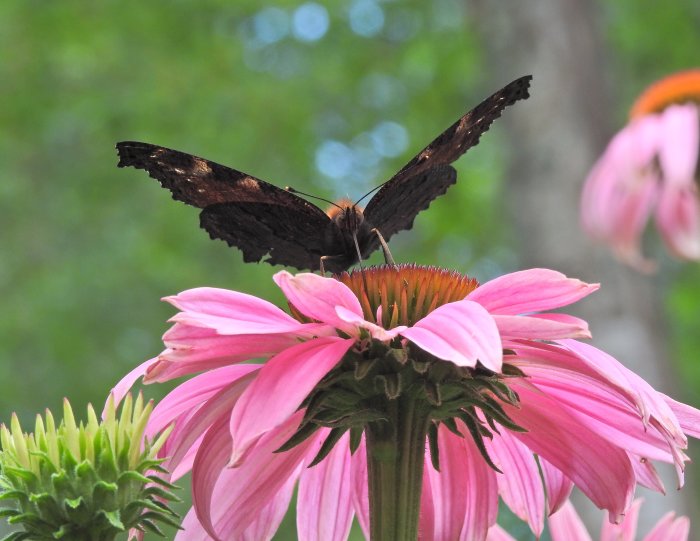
x: 87, y: 250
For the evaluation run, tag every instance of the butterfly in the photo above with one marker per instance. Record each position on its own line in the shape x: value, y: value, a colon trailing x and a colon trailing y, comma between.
x: 263, y: 220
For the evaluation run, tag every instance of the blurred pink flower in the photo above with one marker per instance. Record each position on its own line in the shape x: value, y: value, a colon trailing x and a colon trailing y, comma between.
x: 650, y: 167
x: 590, y: 421
x: 566, y: 525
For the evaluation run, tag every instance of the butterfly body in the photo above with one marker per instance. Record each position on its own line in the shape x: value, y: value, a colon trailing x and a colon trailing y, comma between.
x: 263, y: 220
x: 347, y: 225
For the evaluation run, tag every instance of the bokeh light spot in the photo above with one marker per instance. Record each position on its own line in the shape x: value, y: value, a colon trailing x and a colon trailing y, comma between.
x: 365, y: 150
x: 366, y: 18
x: 310, y: 22
x: 390, y: 139
x: 334, y: 159
x: 270, y: 25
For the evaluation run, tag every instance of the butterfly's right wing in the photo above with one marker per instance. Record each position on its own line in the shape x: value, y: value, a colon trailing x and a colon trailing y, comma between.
x: 397, y: 212
x: 465, y: 133
x: 428, y: 174
x: 248, y: 213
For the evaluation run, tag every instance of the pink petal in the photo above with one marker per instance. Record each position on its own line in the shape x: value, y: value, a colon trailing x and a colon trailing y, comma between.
x: 208, y: 468
x: 637, y: 143
x: 603, y: 188
x: 566, y: 525
x: 229, y: 500
x: 317, y: 297
x: 360, y: 493
x: 192, y: 407
x: 678, y: 219
x: 634, y: 191
x: 670, y: 528
x: 626, y: 530
x: 688, y: 416
x: 194, y: 349
x: 648, y: 400
x: 217, y: 407
x: 192, y: 529
x: 462, y: 332
x: 188, y: 339
x: 164, y: 370
x: 542, y: 327
x: 646, y: 474
x: 376, y: 331
x: 127, y: 382
x: 651, y: 403
x: 192, y: 393
x: 599, y: 406
x: 557, y: 486
x: 600, y: 469
x: 599, y: 189
x: 464, y: 491
x: 230, y: 312
x: 678, y: 212
x: 623, y: 414
x: 427, y: 530
x: 520, y: 484
x: 679, y: 144
x: 324, y: 507
x: 280, y: 388
x: 620, y: 190
x: 496, y: 533
x: 531, y: 290
x: 268, y: 519
x: 616, y: 175
x: 633, y: 205
x: 186, y: 463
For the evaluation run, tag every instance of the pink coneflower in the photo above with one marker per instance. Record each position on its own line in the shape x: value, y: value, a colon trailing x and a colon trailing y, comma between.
x: 650, y: 166
x: 566, y: 525
x: 377, y: 372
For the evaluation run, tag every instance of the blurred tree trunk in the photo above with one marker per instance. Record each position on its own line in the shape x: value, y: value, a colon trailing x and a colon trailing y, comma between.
x: 555, y: 137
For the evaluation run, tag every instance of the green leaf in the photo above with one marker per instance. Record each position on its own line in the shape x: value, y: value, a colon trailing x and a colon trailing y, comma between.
x: 333, y: 437
x: 113, y: 517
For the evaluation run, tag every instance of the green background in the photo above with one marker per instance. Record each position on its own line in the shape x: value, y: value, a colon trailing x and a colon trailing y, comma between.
x: 87, y: 250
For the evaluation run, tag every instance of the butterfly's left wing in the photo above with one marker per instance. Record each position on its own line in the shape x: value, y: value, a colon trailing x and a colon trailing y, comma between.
x: 246, y: 212
x: 200, y: 182
x: 428, y: 175
x: 289, y: 235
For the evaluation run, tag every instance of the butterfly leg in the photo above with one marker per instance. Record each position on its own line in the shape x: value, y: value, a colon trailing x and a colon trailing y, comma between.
x: 388, y: 258
x: 321, y: 266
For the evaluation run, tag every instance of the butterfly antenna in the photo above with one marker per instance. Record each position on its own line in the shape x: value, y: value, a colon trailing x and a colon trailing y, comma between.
x: 370, y: 192
x: 292, y: 190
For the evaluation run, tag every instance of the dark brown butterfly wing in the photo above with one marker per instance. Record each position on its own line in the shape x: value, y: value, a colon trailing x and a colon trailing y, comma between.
x: 425, y: 177
x: 398, y: 211
x: 200, y: 182
x: 289, y: 235
x: 261, y: 219
x: 246, y: 212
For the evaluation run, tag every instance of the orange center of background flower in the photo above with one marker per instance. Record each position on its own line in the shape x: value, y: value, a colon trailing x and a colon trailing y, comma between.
x: 677, y: 88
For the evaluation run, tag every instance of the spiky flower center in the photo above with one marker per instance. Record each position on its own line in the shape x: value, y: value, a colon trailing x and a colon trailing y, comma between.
x: 88, y: 481
x: 680, y: 87
x: 403, y: 294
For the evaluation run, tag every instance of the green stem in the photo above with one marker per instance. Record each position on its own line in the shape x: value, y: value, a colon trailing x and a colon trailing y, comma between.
x: 395, y: 456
